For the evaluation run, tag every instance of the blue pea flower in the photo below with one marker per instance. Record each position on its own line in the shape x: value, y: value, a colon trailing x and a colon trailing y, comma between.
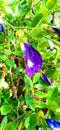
x: 2, y: 28
x: 33, y: 59
x: 53, y: 124
x: 56, y: 30
x: 46, y: 79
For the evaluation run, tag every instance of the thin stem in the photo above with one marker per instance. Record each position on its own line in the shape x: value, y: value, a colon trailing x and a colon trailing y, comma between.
x: 18, y: 112
x: 11, y: 77
x: 17, y: 27
x: 55, y: 42
x: 9, y: 24
x: 29, y: 28
x: 33, y: 6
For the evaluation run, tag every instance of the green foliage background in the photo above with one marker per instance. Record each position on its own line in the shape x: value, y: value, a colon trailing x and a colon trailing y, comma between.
x: 25, y: 102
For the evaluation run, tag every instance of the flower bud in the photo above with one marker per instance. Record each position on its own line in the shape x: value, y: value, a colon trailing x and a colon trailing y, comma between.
x: 46, y: 79
x: 2, y: 28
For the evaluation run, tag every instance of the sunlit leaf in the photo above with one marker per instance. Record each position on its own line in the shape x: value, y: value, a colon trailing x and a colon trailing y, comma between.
x: 5, y: 109
x: 50, y: 4
x: 40, y: 94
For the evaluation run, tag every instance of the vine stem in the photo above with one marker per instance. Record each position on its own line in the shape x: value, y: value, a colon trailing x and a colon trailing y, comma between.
x: 29, y: 28
x: 37, y: 3
x: 17, y: 27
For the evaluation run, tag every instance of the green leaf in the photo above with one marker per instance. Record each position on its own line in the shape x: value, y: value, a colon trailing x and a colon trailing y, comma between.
x: 36, y: 19
x: 11, y: 19
x: 57, y: 115
x: 10, y: 125
x: 50, y: 94
x: 52, y: 105
x: 26, y: 124
x: 30, y: 102
x: 40, y: 94
x: 18, y: 53
x: 33, y: 121
x: 57, y: 84
x: 23, y: 8
x: 5, y: 109
x: 2, y: 57
x: 28, y: 82
x: 56, y: 75
x: 40, y: 104
x: 4, y: 121
x: 11, y: 36
x: 50, y: 4
x: 45, y: 1
x: 18, y: 70
x: 10, y: 63
x: 39, y: 86
x: 36, y: 78
x: 37, y: 32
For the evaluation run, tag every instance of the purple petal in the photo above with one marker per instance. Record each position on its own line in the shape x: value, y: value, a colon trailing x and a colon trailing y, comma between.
x: 33, y: 59
x: 46, y: 79
x: 53, y: 124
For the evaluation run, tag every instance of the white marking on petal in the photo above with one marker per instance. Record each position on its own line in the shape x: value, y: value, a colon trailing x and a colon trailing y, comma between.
x: 23, y: 47
x: 30, y: 63
x: 54, y: 127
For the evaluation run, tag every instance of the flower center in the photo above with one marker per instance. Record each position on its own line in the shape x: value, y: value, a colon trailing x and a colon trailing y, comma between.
x: 30, y: 64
